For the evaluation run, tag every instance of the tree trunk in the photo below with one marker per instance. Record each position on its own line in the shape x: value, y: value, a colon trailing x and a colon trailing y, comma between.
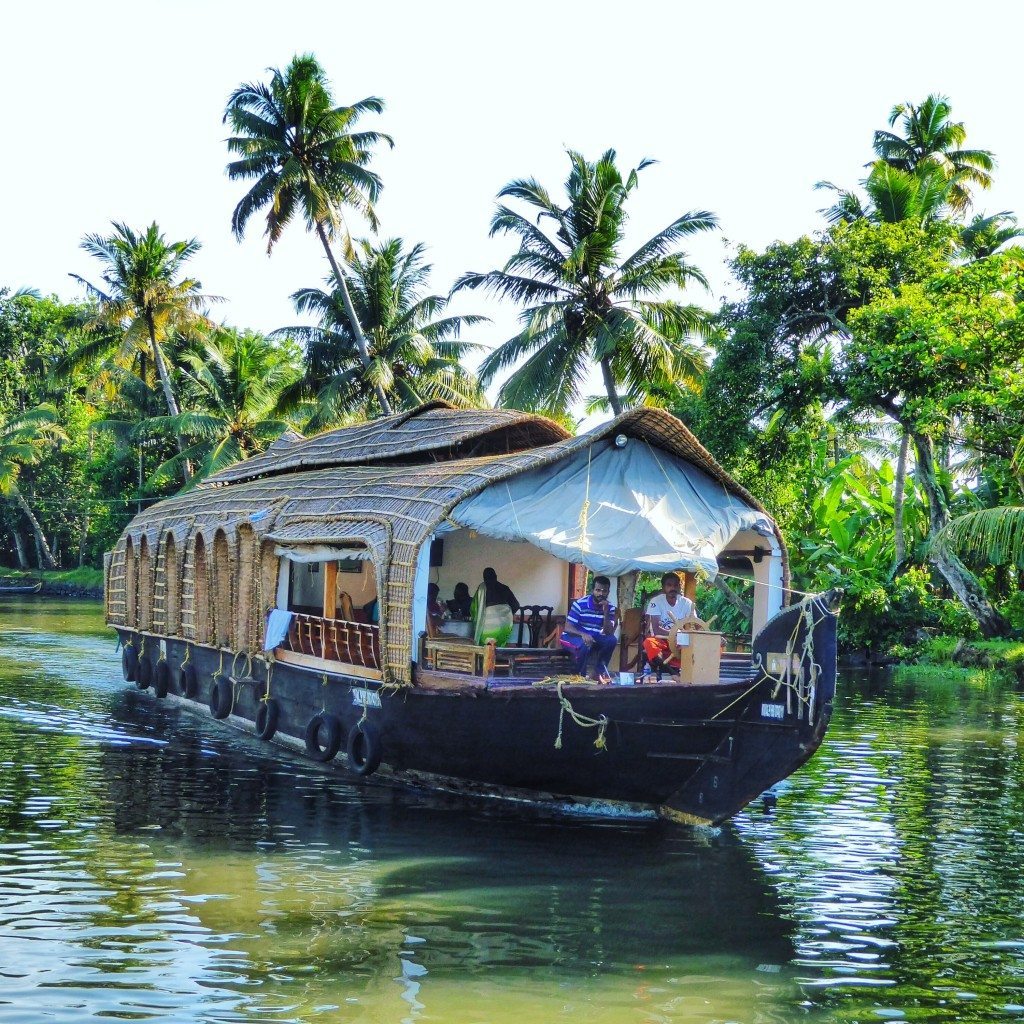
x: 609, y: 386
x: 961, y: 580
x: 350, y: 310
x: 172, y: 402
x: 19, y: 547
x: 83, y: 537
x: 734, y: 599
x: 899, y: 487
x: 45, y: 555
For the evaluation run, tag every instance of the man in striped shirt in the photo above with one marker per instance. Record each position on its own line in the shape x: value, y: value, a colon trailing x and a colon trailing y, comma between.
x: 590, y: 627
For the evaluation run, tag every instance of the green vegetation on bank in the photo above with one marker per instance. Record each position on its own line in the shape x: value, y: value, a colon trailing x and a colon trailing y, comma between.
x: 867, y: 385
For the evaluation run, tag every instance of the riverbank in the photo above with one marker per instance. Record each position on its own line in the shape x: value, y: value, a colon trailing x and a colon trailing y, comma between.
x: 82, y: 582
x: 956, y: 653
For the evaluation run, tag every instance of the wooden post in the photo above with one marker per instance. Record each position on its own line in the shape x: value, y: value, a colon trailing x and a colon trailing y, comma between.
x: 330, y: 590
x: 490, y: 657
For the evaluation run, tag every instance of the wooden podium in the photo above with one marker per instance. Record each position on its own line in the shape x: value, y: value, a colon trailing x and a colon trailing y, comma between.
x: 698, y: 649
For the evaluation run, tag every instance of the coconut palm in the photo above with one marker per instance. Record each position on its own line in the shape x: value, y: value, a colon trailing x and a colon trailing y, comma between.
x: 234, y: 383
x: 993, y: 534
x: 893, y: 196
x: 584, y: 301
x: 301, y: 151
x: 415, y: 353
x: 984, y: 236
x: 144, y: 303
x: 931, y: 141
x: 24, y: 440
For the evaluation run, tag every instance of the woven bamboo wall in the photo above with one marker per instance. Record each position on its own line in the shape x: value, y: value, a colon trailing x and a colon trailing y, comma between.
x: 393, y: 509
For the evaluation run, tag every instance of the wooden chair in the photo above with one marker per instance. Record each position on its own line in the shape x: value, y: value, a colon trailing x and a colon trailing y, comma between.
x: 535, y: 621
x: 631, y: 640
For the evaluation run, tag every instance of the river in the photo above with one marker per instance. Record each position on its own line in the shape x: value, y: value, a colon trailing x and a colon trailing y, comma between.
x: 158, y: 865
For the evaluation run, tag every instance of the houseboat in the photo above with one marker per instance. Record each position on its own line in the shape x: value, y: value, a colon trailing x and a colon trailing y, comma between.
x: 291, y: 595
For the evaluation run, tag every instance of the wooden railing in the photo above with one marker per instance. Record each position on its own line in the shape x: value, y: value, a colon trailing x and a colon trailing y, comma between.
x: 354, y: 643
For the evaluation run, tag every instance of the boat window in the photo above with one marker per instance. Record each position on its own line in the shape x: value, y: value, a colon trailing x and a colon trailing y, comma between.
x: 200, y: 592
x: 171, y: 590
x: 222, y: 595
x: 145, y: 592
x: 306, y: 588
x: 130, y: 584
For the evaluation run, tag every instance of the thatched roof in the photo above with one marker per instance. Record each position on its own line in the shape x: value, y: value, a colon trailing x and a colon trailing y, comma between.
x: 394, y: 506
x: 431, y: 432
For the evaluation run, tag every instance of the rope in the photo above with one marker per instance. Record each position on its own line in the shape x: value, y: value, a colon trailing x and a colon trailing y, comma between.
x: 583, y: 721
x: 188, y: 655
x: 323, y: 695
x: 270, y: 672
x: 761, y: 583
x: 584, y: 541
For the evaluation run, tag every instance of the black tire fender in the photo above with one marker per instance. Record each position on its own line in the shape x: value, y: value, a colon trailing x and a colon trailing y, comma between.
x: 129, y: 662
x: 161, y: 678
x: 364, y: 749
x: 144, y: 673
x: 326, y: 728
x: 188, y: 682
x: 220, y: 697
x: 267, y: 715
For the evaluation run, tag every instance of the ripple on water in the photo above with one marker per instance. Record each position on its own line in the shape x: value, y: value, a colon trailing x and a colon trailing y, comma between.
x: 154, y: 864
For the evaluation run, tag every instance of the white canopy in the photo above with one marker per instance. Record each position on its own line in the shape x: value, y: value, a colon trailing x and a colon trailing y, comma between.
x: 616, y: 509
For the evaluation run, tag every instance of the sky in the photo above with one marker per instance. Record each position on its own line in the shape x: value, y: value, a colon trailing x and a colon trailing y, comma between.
x: 113, y: 112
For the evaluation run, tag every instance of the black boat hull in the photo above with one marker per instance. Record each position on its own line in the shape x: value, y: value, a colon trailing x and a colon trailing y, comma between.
x: 696, y: 753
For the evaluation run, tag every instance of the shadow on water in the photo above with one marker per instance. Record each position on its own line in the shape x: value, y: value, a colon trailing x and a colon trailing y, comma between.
x: 157, y: 864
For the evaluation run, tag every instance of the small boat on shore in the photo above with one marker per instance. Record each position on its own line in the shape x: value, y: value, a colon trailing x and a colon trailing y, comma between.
x: 255, y: 595
x: 20, y: 586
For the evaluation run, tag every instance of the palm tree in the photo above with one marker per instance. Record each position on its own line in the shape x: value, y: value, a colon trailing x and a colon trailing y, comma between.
x: 984, y: 236
x: 23, y: 442
x: 415, y: 354
x: 930, y: 140
x: 144, y: 299
x: 584, y: 301
x: 994, y: 534
x: 234, y: 383
x: 304, y: 157
x: 893, y: 196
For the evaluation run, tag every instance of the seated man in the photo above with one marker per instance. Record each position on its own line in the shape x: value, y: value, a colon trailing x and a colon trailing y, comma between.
x: 590, y: 626
x: 662, y: 612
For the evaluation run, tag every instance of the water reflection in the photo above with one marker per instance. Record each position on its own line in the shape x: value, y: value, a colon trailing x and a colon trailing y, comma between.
x: 156, y: 864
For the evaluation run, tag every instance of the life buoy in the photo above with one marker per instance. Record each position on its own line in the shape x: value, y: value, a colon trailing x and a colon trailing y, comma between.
x: 363, y: 749
x: 326, y: 728
x: 129, y: 662
x: 220, y: 697
x: 161, y: 678
x: 144, y: 673
x: 188, y: 682
x: 267, y: 715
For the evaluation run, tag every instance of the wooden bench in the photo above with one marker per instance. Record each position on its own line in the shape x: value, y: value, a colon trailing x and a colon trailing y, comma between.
x: 531, y: 662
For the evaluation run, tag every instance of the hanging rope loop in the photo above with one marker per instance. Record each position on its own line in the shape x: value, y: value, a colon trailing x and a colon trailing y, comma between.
x: 583, y: 721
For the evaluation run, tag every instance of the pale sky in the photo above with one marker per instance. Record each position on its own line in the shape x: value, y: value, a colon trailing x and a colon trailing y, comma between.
x: 113, y: 112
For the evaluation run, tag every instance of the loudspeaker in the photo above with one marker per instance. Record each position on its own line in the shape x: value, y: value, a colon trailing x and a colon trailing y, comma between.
x: 436, y: 553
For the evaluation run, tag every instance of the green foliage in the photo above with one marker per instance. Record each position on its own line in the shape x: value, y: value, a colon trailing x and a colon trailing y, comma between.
x: 586, y: 301
x: 416, y: 354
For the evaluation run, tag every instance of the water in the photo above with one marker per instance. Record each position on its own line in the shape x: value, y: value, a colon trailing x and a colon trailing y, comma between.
x: 156, y: 865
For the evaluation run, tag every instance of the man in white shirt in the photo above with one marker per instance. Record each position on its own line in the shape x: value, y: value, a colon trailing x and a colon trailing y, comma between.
x: 663, y: 611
